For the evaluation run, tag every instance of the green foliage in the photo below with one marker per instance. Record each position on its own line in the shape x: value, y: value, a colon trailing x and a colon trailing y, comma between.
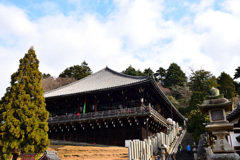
x: 237, y: 87
x: 195, y: 123
x: 196, y: 98
x: 132, y: 71
x: 76, y: 71
x: 202, y: 81
x: 174, y: 101
x: 175, y: 76
x: 226, y: 85
x: 46, y: 75
x: 148, y: 72
x: 23, y: 116
x: 161, y: 75
x: 237, y: 73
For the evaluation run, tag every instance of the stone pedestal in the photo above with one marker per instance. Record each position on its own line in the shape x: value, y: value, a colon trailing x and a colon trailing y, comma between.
x: 224, y: 156
x: 221, y: 144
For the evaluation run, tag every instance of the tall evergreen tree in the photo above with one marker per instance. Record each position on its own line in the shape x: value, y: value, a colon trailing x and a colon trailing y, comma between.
x: 237, y: 73
x: 77, y: 71
x: 132, y: 71
x: 175, y: 76
x: 226, y: 85
x: 148, y: 72
x: 201, y: 82
x: 237, y: 87
x: 161, y: 75
x: 23, y: 116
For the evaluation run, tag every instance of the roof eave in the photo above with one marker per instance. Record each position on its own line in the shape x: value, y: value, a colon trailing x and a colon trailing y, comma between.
x: 100, y: 90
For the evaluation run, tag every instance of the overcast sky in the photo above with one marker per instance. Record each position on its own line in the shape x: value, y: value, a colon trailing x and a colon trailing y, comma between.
x: 144, y: 33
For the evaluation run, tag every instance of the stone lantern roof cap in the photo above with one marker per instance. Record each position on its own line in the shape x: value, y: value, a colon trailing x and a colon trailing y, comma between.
x: 214, y: 94
x: 205, y: 107
x: 215, y: 101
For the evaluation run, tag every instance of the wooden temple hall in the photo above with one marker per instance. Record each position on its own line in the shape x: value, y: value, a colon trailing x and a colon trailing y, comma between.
x: 108, y: 107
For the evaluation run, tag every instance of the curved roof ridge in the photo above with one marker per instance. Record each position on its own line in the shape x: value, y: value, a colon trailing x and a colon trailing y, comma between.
x: 103, y: 79
x: 126, y: 75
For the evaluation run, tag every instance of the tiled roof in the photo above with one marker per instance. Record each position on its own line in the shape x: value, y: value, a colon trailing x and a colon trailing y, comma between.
x: 234, y: 113
x: 103, y: 79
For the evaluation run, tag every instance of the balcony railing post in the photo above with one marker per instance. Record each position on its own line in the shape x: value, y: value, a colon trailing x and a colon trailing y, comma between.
x: 108, y: 113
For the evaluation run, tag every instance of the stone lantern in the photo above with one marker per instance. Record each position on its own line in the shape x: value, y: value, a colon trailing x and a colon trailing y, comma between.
x: 217, y: 106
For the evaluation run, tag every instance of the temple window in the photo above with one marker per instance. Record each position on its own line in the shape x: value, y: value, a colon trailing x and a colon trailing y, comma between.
x: 75, y: 110
x: 60, y: 112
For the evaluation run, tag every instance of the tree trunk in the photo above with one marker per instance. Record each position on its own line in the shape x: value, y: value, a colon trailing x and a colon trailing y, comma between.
x: 15, y: 156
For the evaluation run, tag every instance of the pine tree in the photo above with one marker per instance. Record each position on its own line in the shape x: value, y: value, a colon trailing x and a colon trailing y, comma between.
x: 148, y: 72
x: 23, y: 116
x: 161, y: 75
x: 132, y: 71
x: 227, y: 86
x: 201, y: 82
x: 175, y: 76
x: 78, y: 72
x: 237, y: 73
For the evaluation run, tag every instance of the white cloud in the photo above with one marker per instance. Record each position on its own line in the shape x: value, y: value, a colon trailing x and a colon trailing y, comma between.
x: 232, y: 6
x: 134, y: 33
x: 202, y: 6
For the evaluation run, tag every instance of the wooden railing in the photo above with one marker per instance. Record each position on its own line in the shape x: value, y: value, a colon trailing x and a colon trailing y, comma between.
x: 107, y: 114
x: 158, y: 116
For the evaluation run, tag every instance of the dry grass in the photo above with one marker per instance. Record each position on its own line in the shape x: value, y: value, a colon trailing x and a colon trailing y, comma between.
x: 66, y: 152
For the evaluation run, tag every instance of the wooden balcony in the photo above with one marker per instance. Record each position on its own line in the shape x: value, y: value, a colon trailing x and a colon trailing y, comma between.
x: 110, y: 114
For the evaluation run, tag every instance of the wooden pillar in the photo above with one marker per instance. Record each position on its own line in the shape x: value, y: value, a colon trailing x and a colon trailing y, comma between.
x: 76, y: 133
x: 124, y: 101
x: 109, y: 134
x: 96, y: 105
x: 101, y: 135
x: 94, y: 136
x: 115, y: 135
x: 58, y: 135
x: 66, y: 104
x: 143, y: 133
x: 147, y: 128
x: 132, y: 129
x: 85, y: 133
x: 55, y: 111
x: 70, y: 138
